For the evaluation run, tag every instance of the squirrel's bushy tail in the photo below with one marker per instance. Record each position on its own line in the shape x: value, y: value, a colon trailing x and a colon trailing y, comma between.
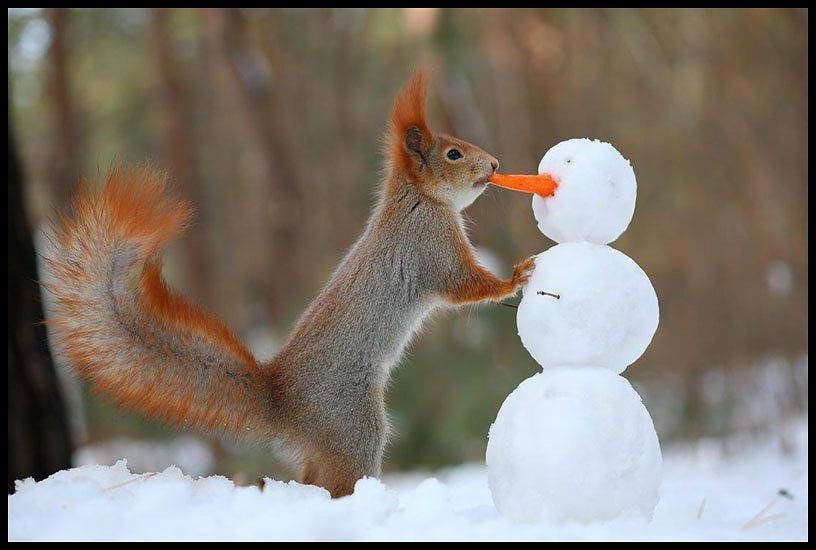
x: 119, y: 327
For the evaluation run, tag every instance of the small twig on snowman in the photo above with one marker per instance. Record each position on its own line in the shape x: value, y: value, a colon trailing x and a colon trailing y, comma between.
x: 542, y: 293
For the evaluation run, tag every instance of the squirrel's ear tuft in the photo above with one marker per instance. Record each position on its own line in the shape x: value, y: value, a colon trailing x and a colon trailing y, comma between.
x: 409, y: 137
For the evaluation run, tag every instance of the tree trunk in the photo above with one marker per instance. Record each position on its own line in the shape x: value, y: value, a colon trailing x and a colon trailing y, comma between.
x: 66, y: 159
x: 272, y: 213
x: 39, y: 441
x: 179, y: 154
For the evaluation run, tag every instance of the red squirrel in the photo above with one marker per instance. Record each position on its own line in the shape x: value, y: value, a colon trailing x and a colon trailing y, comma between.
x: 118, y: 325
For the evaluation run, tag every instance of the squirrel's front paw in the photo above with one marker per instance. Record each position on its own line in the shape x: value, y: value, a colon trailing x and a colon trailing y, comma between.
x: 522, y: 272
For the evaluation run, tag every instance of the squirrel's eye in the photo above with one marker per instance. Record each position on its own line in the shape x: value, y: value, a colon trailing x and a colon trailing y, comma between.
x: 454, y: 154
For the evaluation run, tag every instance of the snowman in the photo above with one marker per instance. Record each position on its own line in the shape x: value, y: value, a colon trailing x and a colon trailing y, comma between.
x: 574, y: 442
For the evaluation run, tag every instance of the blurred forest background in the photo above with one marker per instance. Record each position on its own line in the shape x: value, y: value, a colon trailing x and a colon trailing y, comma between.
x: 270, y: 120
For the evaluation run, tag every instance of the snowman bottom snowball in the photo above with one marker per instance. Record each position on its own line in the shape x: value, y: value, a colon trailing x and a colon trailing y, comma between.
x: 574, y: 445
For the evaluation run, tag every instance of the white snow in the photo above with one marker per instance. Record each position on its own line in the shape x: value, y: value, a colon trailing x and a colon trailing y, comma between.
x: 713, y: 490
x: 605, y: 314
x: 595, y: 198
x: 574, y: 444
x: 185, y: 451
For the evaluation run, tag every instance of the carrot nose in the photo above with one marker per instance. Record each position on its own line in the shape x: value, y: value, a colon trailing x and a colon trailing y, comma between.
x: 543, y: 184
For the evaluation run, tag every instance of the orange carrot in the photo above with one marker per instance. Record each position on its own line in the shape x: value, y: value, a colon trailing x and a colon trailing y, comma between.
x: 543, y: 184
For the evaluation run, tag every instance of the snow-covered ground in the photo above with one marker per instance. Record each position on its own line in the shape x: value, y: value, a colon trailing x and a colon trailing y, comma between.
x: 712, y: 490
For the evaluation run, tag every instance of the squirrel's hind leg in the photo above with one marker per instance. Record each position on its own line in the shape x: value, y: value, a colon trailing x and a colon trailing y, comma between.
x: 336, y: 462
x: 322, y: 471
x: 336, y: 474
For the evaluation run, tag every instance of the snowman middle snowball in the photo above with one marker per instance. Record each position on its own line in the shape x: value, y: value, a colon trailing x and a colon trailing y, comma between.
x: 587, y: 305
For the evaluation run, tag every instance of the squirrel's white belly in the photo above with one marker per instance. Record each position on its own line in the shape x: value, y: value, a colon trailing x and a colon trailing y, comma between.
x: 421, y: 312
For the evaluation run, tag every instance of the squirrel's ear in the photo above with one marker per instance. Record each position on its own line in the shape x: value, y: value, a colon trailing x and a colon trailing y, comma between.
x: 409, y: 137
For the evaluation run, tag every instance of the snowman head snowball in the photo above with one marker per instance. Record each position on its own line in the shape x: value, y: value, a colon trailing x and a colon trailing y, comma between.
x: 595, y: 197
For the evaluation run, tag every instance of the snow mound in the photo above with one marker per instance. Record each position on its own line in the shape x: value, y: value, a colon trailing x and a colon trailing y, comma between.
x: 599, y: 310
x: 595, y: 198
x: 185, y: 451
x: 710, y: 491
